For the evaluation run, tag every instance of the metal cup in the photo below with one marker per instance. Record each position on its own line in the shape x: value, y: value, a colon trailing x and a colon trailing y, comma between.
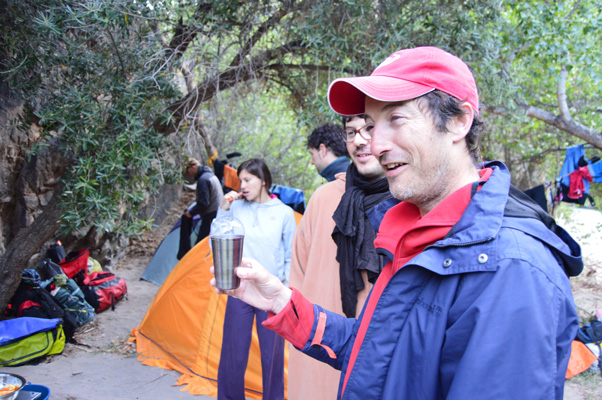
x: 227, y: 255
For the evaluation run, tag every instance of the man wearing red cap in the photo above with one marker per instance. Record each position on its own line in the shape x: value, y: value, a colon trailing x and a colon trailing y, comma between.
x: 474, y: 301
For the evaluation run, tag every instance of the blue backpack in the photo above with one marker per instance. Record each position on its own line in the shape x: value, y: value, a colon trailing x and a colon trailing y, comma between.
x: 590, y: 333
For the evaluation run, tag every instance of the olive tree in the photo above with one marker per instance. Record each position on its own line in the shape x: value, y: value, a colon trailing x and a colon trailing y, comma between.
x: 118, y: 88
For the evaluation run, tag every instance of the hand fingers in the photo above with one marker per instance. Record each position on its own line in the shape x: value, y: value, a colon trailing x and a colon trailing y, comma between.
x: 242, y: 272
x: 251, y: 269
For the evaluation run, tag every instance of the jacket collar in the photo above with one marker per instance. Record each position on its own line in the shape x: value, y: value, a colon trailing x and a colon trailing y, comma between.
x: 471, y: 239
x: 335, y: 167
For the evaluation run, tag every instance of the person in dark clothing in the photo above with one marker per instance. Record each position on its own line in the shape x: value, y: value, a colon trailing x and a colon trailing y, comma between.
x: 209, y: 196
x: 328, y: 153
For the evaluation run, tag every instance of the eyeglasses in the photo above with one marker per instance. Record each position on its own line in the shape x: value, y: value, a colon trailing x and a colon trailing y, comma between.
x: 348, y: 134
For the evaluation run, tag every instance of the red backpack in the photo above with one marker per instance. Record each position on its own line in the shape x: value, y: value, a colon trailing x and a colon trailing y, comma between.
x: 102, y: 289
x: 74, y: 262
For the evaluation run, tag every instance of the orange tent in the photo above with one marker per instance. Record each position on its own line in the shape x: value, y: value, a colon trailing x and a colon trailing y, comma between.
x: 581, y: 359
x: 182, y: 329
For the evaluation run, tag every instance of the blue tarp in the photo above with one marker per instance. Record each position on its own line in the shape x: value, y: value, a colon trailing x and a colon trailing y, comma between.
x: 17, y: 328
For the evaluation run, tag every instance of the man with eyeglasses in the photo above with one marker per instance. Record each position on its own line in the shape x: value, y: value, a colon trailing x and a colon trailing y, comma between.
x: 474, y: 301
x: 328, y: 153
x: 334, y: 262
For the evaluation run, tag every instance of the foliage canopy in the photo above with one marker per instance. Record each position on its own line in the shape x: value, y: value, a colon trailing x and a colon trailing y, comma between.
x: 129, y: 87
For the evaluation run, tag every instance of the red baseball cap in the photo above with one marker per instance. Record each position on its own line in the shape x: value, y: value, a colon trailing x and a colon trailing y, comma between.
x: 404, y: 75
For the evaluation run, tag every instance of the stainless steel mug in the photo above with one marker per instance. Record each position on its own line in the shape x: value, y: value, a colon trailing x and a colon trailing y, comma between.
x: 227, y: 255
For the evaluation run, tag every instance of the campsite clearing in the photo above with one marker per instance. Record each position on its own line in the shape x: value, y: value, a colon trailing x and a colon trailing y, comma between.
x: 109, y: 367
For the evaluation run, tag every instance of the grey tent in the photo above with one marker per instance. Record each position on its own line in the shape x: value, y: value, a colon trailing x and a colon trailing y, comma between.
x: 165, y: 257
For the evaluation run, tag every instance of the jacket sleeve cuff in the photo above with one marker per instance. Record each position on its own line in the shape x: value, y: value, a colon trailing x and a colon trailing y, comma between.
x: 294, y: 323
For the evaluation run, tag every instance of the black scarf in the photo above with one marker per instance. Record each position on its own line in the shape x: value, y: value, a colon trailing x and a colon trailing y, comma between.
x: 354, y: 235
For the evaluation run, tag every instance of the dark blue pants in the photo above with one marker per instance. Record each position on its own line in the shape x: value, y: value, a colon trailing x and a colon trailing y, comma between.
x: 238, y: 330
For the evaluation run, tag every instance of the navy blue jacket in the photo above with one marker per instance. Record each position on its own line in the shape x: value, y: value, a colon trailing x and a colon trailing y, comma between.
x: 337, y: 166
x: 485, y: 313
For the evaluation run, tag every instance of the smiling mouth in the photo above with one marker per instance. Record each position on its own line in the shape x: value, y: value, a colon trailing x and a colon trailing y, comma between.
x: 393, y: 166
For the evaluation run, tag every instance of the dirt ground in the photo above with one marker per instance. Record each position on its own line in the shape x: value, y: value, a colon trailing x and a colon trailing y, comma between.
x: 107, y: 368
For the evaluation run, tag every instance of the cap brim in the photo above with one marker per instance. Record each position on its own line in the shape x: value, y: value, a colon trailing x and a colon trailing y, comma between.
x: 346, y: 96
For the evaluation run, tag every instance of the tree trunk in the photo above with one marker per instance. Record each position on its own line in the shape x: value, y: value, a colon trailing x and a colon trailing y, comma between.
x: 25, y: 244
x: 207, y: 142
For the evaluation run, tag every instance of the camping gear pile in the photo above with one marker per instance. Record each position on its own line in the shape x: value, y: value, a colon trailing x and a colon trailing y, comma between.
x: 63, y: 293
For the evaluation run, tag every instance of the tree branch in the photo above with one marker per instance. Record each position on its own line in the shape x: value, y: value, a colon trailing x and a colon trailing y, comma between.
x: 260, y: 31
x: 570, y: 14
x: 188, y: 77
x: 225, y: 80
x: 117, y: 51
x: 570, y: 126
x: 564, y: 121
x: 308, y: 67
x: 565, y: 113
x: 184, y: 35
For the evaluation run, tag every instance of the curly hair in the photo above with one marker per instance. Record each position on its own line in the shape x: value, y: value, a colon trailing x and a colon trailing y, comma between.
x: 348, y: 118
x: 330, y: 136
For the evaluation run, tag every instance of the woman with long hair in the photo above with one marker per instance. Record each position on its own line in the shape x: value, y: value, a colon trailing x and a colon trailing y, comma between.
x: 269, y: 229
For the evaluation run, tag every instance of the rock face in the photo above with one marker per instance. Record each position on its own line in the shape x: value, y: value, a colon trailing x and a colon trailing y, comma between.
x: 27, y: 184
x: 19, y: 202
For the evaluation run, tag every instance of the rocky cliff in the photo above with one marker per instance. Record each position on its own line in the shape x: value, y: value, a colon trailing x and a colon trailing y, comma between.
x: 27, y: 183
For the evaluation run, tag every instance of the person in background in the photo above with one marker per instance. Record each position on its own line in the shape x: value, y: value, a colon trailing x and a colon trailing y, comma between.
x: 209, y: 196
x: 315, y: 271
x: 328, y: 153
x: 474, y: 301
x: 269, y: 229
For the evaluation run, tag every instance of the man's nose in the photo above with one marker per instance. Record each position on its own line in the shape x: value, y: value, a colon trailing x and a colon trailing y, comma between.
x: 379, y: 144
x: 359, y: 140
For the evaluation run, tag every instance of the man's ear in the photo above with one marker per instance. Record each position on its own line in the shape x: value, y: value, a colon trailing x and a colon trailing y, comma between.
x: 459, y: 126
x: 323, y: 150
